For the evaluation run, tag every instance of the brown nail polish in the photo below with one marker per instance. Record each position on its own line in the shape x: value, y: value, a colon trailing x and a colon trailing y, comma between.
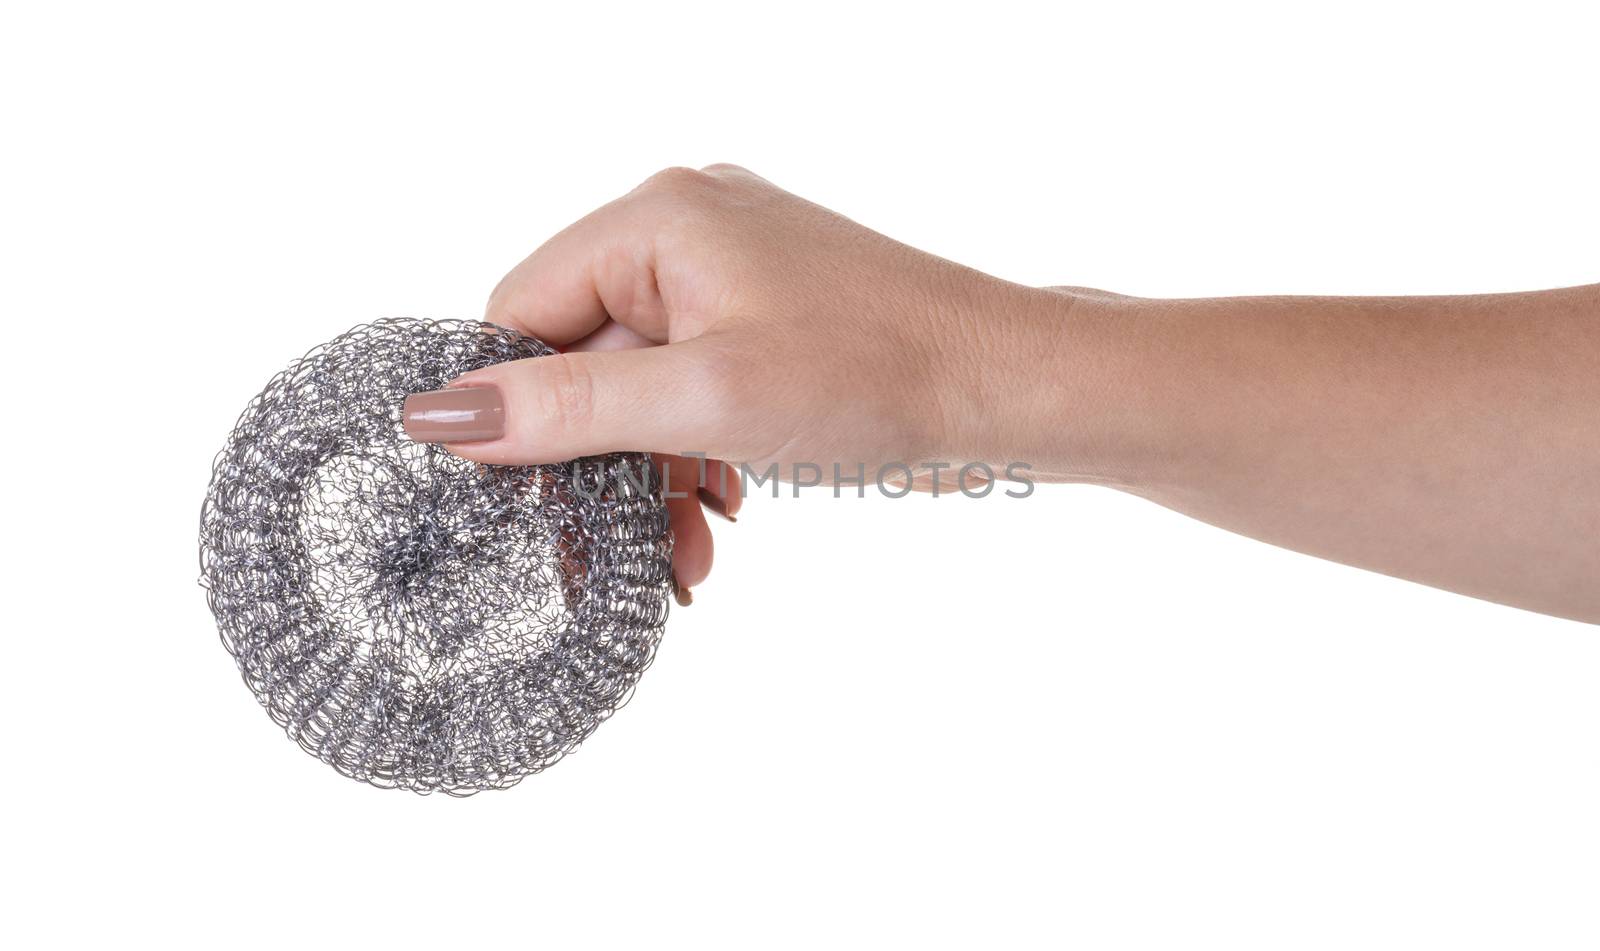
x: 466, y: 414
x: 713, y: 501
x: 683, y: 595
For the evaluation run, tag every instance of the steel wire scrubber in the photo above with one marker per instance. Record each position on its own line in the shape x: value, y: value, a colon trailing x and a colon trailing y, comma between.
x: 412, y: 619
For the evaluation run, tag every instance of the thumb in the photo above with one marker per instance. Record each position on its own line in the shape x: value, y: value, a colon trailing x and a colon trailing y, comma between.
x: 559, y: 407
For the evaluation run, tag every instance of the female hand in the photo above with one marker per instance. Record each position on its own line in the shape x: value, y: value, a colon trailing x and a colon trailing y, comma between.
x: 710, y: 312
x: 1450, y: 440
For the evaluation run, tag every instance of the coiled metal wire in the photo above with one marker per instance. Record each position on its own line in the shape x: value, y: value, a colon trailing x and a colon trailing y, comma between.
x: 415, y: 620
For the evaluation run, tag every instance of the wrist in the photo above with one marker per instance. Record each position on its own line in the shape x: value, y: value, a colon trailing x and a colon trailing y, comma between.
x: 1054, y: 385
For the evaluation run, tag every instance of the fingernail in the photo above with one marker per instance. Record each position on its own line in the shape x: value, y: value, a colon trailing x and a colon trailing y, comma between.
x: 467, y: 414
x: 713, y: 501
x: 683, y: 595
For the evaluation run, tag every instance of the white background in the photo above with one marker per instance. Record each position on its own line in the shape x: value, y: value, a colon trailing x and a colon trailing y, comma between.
x: 1072, y: 720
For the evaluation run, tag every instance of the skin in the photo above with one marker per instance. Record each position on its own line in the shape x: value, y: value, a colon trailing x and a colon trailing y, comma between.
x: 1448, y: 440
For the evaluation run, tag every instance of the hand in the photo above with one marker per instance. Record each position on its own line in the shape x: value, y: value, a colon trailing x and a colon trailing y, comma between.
x: 1449, y: 440
x: 711, y: 312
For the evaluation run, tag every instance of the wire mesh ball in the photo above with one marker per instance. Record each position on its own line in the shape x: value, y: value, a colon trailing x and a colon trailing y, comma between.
x: 413, y: 619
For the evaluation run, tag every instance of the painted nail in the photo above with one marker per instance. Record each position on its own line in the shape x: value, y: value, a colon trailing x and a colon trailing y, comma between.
x: 683, y: 595
x: 713, y: 501
x: 467, y: 414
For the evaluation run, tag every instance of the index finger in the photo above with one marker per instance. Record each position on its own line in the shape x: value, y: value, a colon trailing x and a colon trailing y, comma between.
x: 601, y: 267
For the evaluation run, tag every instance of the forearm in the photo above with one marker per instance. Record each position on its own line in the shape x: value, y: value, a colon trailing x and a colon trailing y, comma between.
x: 1450, y: 440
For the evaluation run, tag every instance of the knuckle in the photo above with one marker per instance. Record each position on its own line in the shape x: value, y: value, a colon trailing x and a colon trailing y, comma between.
x: 677, y: 180
x: 566, y: 396
x: 725, y: 169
